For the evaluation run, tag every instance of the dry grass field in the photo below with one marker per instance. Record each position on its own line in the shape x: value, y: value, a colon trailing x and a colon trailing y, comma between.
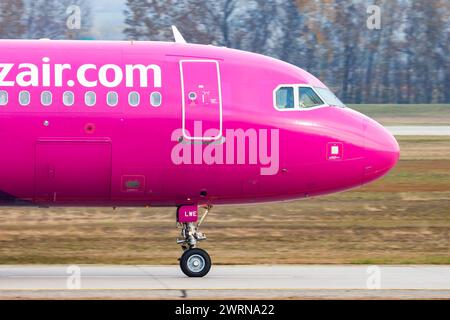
x: 401, y: 219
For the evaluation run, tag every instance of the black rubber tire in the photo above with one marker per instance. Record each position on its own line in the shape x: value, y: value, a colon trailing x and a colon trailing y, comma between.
x: 185, y: 267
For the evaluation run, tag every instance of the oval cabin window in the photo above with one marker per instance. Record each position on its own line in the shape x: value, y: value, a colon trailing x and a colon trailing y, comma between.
x: 3, y: 98
x: 112, y: 99
x: 46, y: 98
x: 133, y: 99
x: 90, y: 98
x: 68, y: 98
x: 24, y: 98
x: 156, y: 99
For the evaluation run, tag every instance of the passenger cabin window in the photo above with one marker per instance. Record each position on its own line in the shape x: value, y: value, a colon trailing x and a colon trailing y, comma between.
x: 3, y: 98
x: 308, y: 98
x: 285, y: 98
x: 68, y: 98
x: 133, y: 99
x: 156, y: 99
x: 90, y: 98
x: 24, y: 98
x: 112, y: 99
x: 46, y: 98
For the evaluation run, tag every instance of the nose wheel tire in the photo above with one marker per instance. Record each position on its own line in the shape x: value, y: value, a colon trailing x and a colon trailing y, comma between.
x: 195, y: 263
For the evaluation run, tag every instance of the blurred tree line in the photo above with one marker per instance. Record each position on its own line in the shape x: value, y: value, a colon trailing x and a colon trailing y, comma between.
x: 36, y: 19
x: 405, y: 61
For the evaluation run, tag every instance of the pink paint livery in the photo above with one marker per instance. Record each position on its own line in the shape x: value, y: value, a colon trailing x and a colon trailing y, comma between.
x: 97, y: 123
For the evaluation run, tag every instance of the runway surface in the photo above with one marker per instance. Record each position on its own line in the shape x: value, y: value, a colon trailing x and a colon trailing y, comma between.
x: 419, y: 130
x: 247, y: 282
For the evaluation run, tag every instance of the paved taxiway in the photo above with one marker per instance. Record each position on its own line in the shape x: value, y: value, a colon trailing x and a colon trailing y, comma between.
x: 155, y: 282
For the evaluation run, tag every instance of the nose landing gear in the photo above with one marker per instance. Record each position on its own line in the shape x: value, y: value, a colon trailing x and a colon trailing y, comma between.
x: 194, y: 262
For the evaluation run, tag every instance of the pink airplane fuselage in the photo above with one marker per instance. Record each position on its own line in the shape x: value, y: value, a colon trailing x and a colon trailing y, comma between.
x: 179, y: 148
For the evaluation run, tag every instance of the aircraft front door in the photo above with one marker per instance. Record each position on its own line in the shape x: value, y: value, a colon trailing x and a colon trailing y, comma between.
x: 202, y: 99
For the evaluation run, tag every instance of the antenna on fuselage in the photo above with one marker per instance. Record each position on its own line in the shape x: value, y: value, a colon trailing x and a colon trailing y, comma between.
x: 177, y: 35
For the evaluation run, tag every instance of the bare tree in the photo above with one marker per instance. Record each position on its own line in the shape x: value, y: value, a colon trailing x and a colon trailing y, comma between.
x: 12, y: 14
x: 48, y: 19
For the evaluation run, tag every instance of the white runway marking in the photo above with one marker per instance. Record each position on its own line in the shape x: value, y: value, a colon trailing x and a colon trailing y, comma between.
x: 227, y: 281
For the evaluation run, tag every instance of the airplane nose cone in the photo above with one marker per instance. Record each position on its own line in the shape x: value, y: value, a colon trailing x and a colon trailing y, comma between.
x: 381, y: 149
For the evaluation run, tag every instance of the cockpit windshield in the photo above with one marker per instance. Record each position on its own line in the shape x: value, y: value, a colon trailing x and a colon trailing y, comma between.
x: 294, y: 97
x: 285, y: 98
x: 329, y: 97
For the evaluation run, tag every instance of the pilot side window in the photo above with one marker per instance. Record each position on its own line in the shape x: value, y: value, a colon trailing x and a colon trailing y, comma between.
x: 308, y: 98
x: 90, y: 98
x: 329, y: 97
x: 46, y: 98
x: 3, y: 98
x: 285, y: 98
x: 112, y: 99
x: 68, y: 98
x: 24, y: 98
x: 134, y: 99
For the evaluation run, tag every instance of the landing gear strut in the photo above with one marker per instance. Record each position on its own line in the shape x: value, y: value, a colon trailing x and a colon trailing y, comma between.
x: 194, y: 262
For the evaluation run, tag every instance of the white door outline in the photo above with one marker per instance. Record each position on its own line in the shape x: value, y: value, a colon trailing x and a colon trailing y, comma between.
x: 219, y: 85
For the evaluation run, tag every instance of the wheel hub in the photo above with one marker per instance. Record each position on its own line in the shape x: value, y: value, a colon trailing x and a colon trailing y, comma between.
x: 196, y: 263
